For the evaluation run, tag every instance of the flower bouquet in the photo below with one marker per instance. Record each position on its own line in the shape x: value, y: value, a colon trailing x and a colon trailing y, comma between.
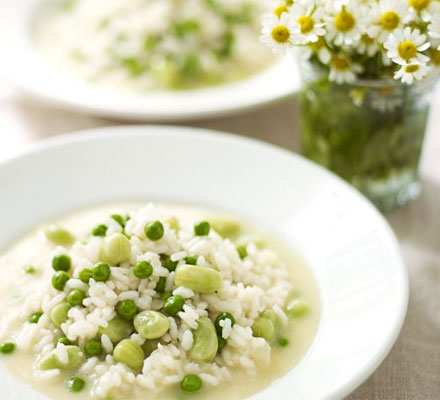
x: 368, y: 68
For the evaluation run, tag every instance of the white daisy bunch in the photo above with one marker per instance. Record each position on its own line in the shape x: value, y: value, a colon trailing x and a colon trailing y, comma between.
x: 359, y: 39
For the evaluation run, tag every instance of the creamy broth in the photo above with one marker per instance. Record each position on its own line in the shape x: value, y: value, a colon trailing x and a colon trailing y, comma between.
x: 15, y: 285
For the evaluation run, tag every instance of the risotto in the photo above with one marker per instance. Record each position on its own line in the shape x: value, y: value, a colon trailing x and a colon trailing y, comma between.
x: 154, y: 44
x: 131, y: 301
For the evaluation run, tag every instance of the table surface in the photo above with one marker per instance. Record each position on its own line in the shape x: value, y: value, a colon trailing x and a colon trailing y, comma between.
x: 412, y: 369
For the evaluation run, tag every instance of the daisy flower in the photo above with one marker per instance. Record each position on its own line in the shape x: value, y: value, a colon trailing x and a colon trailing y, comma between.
x: 406, y: 46
x: 277, y: 32
x: 434, y: 27
x: 386, y: 17
x: 367, y: 45
x: 342, y: 69
x: 410, y: 72
x: 307, y: 22
x: 344, y: 22
x: 424, y: 8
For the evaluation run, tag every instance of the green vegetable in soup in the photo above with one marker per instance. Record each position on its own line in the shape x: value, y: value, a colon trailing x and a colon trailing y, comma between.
x: 151, y: 324
x: 297, y: 309
x: 154, y: 230
x: 168, y: 263
x: 76, y: 297
x: 101, y: 272
x: 85, y: 275
x: 127, y: 309
x: 143, y: 270
x: 64, y: 340
x: 93, y: 348
x: 100, y: 230
x: 191, y: 383
x: 75, y: 359
x: 199, y: 279
x: 29, y: 269
x: 202, y: 228
x: 61, y: 262
x: 7, y: 348
x: 242, y: 251
x: 264, y: 328
x: 120, y: 219
x: 34, y: 318
x: 222, y: 317
x: 59, y: 314
x: 115, y: 249
x: 59, y: 236
x: 160, y: 285
x: 75, y: 384
x: 173, y: 305
x: 117, y: 329
x: 226, y: 228
x: 59, y: 280
x: 129, y: 353
x: 205, y: 344
x: 149, y: 346
x: 191, y: 260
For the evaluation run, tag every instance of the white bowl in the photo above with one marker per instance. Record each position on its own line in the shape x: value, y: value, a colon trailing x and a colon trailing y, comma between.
x: 347, y: 243
x: 31, y: 72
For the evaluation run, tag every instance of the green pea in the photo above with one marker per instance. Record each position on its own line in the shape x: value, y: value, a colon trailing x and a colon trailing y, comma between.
x: 199, y: 279
x: 93, y: 348
x: 242, y: 251
x: 226, y: 228
x: 168, y: 263
x: 160, y: 285
x: 191, y: 383
x: 34, y: 318
x: 59, y: 280
x: 127, y: 309
x: 85, y: 275
x: 297, y: 309
x: 59, y: 314
x: 115, y: 249
x: 154, y: 230
x: 270, y: 314
x: 129, y: 353
x: 283, y: 342
x: 29, y: 269
x: 99, y: 230
x: 120, y: 219
x: 59, y: 236
x: 221, y: 344
x: 117, y: 329
x: 202, y: 228
x: 64, y: 340
x: 151, y: 324
x: 264, y: 328
x: 51, y: 361
x: 101, y: 272
x: 61, y: 262
x: 7, y: 348
x: 76, y: 297
x: 75, y: 384
x: 173, y: 305
x: 143, y: 270
x: 149, y: 346
x: 222, y: 317
x: 191, y: 260
x: 205, y: 344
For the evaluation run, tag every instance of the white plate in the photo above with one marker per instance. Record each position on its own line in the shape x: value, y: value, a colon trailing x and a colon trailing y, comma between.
x: 349, y: 246
x: 25, y: 67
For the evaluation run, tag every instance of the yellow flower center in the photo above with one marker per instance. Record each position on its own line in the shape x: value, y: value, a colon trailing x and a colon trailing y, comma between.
x: 340, y: 62
x: 436, y: 57
x: 289, y: 2
x: 278, y: 11
x: 410, y: 69
x: 389, y: 20
x: 366, y: 39
x: 306, y: 23
x: 344, y: 21
x: 407, y: 50
x: 419, y: 5
x: 280, y: 34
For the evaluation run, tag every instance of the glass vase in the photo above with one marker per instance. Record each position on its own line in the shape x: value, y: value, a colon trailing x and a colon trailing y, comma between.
x: 368, y: 132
